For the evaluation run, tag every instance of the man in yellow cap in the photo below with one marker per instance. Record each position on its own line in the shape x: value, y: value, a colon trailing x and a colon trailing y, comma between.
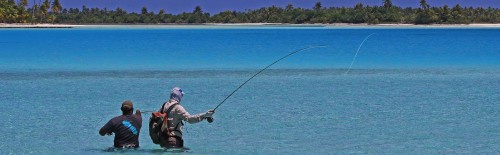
x: 126, y: 127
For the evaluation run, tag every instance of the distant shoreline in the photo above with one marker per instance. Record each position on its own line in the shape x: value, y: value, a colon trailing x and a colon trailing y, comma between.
x: 3, y: 25
x: 479, y: 25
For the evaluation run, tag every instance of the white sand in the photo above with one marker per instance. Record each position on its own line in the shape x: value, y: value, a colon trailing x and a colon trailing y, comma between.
x: 3, y: 25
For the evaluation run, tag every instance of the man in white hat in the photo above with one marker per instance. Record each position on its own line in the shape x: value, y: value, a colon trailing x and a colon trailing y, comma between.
x: 172, y: 131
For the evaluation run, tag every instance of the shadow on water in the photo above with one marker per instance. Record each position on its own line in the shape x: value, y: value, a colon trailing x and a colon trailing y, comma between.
x: 141, y: 150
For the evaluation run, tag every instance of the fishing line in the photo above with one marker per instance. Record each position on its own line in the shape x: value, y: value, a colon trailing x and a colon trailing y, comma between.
x: 148, y: 111
x: 356, y: 55
x: 292, y: 53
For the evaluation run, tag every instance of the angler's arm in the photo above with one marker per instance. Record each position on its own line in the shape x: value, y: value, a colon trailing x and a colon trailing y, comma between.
x: 190, y: 118
x: 107, y: 129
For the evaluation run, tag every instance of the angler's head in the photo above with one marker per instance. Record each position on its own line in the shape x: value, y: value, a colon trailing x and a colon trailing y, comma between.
x: 127, y: 107
x: 176, y: 94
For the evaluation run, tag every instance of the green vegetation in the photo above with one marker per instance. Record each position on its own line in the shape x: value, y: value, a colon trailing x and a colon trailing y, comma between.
x: 10, y: 12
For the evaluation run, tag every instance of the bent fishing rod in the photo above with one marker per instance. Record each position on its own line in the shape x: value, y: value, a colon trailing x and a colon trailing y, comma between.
x: 210, y: 119
x: 292, y: 53
x: 284, y: 57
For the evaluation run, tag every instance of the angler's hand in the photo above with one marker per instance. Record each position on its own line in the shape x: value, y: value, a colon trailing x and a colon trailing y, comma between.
x: 138, y: 112
x: 208, y: 115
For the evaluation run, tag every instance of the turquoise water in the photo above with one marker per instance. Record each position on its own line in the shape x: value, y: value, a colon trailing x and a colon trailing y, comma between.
x: 411, y: 90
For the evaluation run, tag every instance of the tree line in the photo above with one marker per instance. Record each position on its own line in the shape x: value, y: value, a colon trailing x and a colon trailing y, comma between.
x: 53, y: 12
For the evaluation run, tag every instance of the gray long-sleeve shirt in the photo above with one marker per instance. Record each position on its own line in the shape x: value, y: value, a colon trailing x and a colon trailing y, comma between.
x: 177, y: 115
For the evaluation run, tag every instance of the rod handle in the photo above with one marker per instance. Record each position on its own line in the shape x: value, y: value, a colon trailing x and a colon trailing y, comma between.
x: 210, y: 119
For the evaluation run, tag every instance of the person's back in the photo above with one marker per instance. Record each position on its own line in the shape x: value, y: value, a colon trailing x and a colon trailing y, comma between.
x: 126, y: 127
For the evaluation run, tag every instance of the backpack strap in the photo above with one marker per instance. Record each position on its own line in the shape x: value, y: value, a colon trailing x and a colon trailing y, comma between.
x: 165, y: 119
x: 169, y: 108
x: 175, y: 129
x: 163, y: 107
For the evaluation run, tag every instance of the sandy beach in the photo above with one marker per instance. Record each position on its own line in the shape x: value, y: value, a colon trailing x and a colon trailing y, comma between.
x: 4, y: 25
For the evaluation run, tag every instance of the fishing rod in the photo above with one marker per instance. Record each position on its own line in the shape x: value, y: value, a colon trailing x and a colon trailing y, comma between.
x: 210, y: 119
x: 292, y: 53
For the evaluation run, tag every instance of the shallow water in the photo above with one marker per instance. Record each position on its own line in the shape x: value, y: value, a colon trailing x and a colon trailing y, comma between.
x: 408, y: 99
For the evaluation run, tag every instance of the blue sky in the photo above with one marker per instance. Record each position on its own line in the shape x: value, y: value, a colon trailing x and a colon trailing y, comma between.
x: 216, y: 6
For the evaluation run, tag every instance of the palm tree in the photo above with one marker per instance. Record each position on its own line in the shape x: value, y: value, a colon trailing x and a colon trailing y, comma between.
x: 56, y: 7
x: 424, y: 4
x: 45, y: 8
x: 317, y: 6
x: 387, y: 4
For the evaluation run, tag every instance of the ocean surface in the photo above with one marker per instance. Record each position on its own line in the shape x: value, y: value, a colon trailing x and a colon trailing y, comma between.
x: 419, y: 90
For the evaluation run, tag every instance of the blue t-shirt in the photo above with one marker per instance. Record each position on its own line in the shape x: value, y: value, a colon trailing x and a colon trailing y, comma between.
x: 126, y: 129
